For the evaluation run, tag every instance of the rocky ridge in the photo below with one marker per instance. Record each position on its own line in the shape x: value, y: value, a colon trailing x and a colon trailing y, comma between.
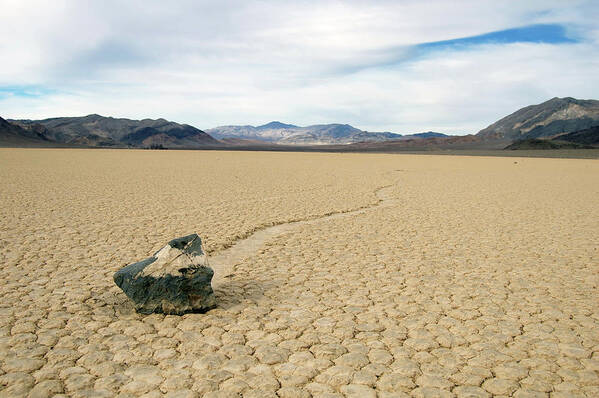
x: 551, y: 118
x: 96, y: 130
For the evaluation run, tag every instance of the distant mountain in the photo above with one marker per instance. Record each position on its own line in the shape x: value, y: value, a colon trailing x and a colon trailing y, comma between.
x: 318, y: 134
x: 100, y: 131
x: 14, y: 135
x: 322, y: 134
x: 276, y: 125
x: 554, y: 117
x: 261, y: 133
x: 96, y: 130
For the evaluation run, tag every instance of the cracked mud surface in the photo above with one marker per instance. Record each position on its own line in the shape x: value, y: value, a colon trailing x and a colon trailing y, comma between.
x: 474, y: 277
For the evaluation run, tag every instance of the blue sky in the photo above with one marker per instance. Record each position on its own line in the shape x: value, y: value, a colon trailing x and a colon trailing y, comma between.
x: 402, y: 66
x: 538, y: 33
x: 7, y: 92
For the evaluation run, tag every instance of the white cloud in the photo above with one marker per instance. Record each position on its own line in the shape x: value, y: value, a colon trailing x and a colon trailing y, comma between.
x: 211, y: 63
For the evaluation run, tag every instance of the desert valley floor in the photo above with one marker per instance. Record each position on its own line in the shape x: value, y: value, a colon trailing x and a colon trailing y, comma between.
x: 416, y: 275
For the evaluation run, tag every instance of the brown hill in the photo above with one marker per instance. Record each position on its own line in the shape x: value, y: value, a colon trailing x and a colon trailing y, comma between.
x: 96, y: 130
x: 14, y: 135
x: 553, y: 117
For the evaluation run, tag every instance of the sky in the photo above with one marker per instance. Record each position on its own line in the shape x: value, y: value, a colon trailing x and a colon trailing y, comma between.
x: 401, y: 66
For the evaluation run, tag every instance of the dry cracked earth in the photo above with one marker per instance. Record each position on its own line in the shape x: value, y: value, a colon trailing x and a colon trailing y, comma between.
x: 470, y: 277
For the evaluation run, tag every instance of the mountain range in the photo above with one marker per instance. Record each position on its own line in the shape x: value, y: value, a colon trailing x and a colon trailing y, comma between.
x: 318, y: 134
x: 100, y: 131
x: 558, y: 119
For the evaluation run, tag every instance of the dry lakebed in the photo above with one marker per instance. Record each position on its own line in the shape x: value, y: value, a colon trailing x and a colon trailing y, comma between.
x: 335, y: 275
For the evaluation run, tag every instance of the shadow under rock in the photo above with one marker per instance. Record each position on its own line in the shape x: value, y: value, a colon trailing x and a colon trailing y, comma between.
x: 228, y: 293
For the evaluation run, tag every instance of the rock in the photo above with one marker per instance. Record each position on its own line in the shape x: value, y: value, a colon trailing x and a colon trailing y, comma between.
x: 175, y: 280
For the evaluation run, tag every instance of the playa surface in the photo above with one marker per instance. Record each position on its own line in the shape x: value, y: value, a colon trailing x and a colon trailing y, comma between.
x: 357, y: 275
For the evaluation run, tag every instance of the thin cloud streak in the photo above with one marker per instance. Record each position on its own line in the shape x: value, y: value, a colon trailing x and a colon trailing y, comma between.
x: 539, y: 33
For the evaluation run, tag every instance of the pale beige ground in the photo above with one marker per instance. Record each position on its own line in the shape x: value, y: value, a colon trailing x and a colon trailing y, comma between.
x: 473, y: 277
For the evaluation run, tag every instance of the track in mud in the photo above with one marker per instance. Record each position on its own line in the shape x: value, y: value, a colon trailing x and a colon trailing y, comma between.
x: 224, y: 262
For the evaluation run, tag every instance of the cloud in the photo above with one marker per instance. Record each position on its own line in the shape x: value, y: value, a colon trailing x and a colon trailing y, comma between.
x: 381, y: 65
x: 539, y: 33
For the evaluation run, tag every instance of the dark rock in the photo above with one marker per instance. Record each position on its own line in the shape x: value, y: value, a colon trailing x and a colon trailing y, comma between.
x: 175, y: 280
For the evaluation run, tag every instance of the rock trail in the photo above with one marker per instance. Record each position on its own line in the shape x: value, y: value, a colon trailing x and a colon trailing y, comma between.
x: 224, y: 261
